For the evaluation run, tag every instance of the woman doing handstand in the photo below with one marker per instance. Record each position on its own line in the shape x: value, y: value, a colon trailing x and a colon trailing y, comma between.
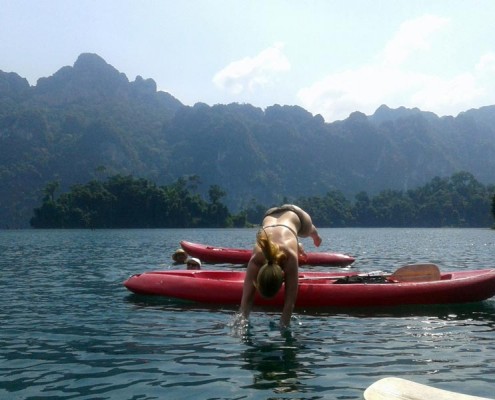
x: 275, y: 258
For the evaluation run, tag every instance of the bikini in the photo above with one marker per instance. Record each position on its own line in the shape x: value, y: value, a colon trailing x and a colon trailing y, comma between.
x: 285, y: 207
x: 285, y: 226
x: 289, y: 207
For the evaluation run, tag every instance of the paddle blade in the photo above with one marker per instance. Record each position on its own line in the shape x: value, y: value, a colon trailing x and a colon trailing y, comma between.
x: 416, y: 273
x: 402, y: 389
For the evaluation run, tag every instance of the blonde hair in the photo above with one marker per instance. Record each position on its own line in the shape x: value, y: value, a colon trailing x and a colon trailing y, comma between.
x: 270, y: 276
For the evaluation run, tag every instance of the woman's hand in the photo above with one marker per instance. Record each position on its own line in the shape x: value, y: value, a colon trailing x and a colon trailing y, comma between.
x: 316, y: 238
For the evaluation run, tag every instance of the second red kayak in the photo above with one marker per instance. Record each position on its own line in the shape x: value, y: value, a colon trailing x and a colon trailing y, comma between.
x: 226, y: 255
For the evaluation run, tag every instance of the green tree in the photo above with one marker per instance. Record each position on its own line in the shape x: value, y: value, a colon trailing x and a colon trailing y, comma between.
x: 332, y: 210
x: 216, y: 193
x: 364, y: 213
x: 50, y: 189
x: 393, y: 208
x: 48, y: 215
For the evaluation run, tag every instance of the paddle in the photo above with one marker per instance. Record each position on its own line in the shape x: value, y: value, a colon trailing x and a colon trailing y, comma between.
x: 407, y: 273
x: 400, y: 389
x: 416, y: 273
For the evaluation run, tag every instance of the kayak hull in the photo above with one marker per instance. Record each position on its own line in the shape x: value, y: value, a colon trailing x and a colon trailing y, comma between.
x: 227, y: 255
x: 317, y: 289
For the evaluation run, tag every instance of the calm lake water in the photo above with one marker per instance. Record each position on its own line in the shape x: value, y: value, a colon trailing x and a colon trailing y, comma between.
x: 70, y: 330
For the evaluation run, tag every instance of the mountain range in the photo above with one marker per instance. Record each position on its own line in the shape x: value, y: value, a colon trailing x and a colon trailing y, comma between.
x: 88, y: 121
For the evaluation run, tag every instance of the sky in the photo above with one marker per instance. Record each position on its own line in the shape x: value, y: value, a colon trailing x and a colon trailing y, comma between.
x: 330, y: 57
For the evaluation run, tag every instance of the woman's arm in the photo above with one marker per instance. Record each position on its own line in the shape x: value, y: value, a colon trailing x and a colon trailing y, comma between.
x: 291, y: 286
x: 315, y: 236
x: 249, y: 290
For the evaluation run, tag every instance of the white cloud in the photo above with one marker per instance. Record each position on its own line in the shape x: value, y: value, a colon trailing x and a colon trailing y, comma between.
x: 252, y: 72
x: 363, y: 89
x: 444, y: 94
x: 391, y: 80
x: 486, y: 63
x: 412, y: 36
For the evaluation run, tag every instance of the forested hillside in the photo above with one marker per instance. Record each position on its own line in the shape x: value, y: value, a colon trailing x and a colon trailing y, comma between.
x: 127, y: 202
x: 88, y: 121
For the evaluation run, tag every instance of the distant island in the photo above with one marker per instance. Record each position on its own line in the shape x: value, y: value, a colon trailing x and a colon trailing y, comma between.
x: 128, y: 202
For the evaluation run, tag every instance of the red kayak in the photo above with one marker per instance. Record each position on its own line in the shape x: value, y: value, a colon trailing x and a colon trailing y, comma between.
x: 318, y: 289
x: 225, y: 255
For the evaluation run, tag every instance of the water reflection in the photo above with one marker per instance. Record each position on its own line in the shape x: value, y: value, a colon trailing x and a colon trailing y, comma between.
x: 171, y: 304
x: 276, y: 362
x: 478, y: 311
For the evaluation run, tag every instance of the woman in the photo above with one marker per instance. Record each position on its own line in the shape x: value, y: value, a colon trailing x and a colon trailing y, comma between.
x: 275, y: 258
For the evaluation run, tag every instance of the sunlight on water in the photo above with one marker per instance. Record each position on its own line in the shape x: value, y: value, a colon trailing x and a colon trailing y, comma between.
x: 239, y: 326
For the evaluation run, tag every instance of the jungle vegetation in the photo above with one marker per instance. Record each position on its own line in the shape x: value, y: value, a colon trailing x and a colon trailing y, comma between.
x: 129, y: 202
